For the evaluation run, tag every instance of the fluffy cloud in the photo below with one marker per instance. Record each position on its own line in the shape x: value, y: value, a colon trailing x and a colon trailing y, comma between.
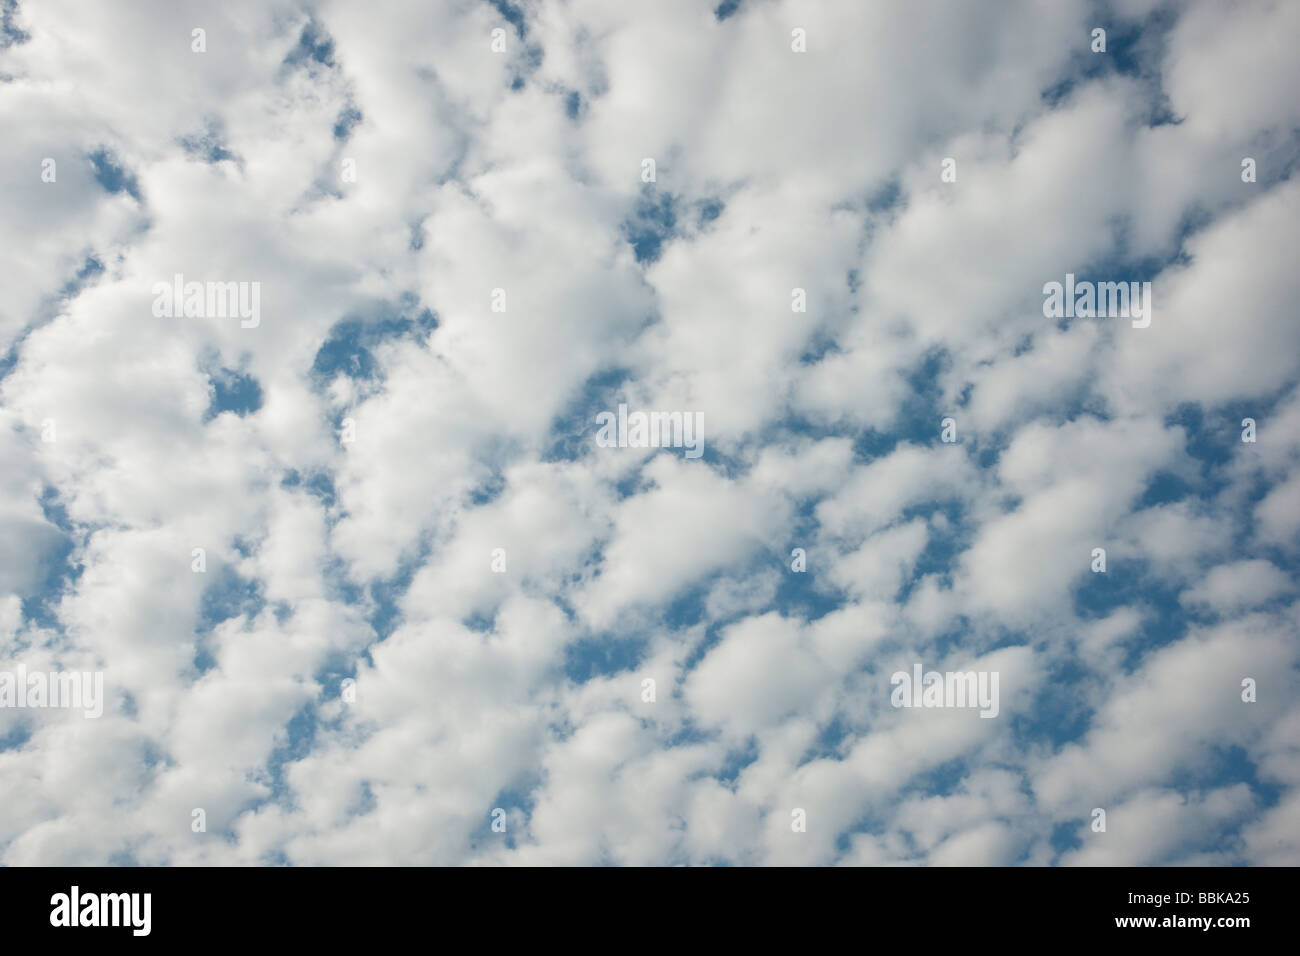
x: 359, y: 579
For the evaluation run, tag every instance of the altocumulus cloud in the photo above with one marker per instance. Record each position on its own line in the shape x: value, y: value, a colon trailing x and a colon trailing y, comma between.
x: 361, y: 583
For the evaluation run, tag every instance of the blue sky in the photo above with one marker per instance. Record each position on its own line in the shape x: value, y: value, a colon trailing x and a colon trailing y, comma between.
x: 427, y: 593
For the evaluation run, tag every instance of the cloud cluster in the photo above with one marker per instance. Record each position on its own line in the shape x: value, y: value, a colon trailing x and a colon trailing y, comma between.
x: 360, y: 576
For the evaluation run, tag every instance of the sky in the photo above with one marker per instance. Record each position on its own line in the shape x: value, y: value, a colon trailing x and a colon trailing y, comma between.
x: 362, y: 583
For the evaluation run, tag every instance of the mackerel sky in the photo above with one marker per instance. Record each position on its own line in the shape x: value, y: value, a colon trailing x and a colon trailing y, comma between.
x: 364, y: 587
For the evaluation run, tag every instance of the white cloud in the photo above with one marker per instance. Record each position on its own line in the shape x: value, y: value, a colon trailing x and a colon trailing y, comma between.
x: 523, y: 688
